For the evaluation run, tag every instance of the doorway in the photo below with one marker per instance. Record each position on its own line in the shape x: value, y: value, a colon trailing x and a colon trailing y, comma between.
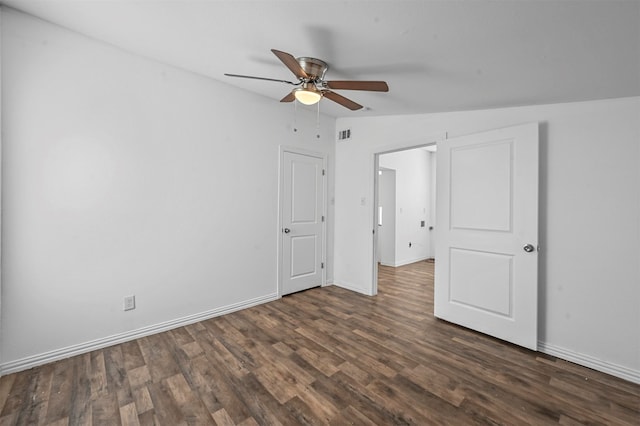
x: 404, y: 207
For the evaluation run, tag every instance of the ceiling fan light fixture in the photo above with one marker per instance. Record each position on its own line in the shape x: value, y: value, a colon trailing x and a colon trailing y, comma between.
x: 307, y: 95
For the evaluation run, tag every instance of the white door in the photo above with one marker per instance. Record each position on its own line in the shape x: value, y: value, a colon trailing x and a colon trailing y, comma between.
x: 387, y: 217
x: 486, y: 245
x: 302, y: 222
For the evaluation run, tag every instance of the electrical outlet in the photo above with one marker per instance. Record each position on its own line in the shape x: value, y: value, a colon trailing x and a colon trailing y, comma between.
x: 129, y: 303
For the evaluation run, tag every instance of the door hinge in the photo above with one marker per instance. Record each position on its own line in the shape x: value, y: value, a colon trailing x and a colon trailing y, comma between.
x: 322, y: 265
x: 323, y: 218
x: 323, y: 172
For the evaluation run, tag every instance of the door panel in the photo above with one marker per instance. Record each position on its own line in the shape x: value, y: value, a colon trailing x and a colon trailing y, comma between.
x: 304, y: 194
x: 483, y: 202
x: 302, y: 226
x: 481, y: 280
x: 487, y: 189
x: 303, y: 255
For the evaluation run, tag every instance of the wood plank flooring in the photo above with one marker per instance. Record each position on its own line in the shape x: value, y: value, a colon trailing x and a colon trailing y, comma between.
x: 324, y: 356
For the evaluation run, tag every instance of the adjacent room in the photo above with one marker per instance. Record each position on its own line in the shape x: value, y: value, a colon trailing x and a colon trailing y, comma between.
x: 227, y: 212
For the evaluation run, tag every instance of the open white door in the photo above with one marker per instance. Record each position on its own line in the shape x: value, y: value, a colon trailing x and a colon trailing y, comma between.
x: 387, y: 217
x: 302, y: 222
x: 486, y: 274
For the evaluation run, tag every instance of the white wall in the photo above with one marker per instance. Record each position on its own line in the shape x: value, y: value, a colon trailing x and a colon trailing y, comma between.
x: 126, y: 176
x: 413, y: 195
x: 589, y: 217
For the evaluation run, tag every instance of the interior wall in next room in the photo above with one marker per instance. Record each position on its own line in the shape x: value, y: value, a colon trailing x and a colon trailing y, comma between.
x: 413, y: 203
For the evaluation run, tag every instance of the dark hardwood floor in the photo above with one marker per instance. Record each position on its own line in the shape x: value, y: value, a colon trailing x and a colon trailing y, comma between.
x: 324, y: 356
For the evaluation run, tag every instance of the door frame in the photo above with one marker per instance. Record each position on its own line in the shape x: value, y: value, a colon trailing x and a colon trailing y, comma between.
x: 279, y: 258
x: 1, y: 226
x: 428, y: 141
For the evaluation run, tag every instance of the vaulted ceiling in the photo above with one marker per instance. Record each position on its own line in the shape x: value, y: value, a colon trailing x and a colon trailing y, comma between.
x: 435, y: 55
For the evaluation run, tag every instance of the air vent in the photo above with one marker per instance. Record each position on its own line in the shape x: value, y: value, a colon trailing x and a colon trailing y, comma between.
x: 344, y: 134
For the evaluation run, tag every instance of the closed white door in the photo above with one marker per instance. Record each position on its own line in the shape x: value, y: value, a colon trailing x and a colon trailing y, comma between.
x: 486, y: 245
x: 302, y: 222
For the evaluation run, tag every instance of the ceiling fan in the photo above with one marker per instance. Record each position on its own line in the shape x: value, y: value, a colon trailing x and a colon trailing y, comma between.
x: 311, y: 85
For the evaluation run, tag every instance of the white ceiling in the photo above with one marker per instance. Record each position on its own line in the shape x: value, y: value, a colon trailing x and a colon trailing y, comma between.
x: 435, y: 55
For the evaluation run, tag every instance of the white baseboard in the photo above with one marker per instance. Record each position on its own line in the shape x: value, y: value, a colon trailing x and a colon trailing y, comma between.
x: 57, y: 354
x: 591, y: 362
x: 408, y: 261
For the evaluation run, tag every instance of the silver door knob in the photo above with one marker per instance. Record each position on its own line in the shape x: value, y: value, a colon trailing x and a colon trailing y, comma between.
x: 529, y: 248
x: 286, y: 230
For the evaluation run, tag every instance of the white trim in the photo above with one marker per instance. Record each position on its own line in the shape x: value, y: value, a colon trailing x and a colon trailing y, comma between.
x: 591, y: 362
x: 73, y: 350
x: 409, y: 261
x: 1, y: 152
x: 376, y: 220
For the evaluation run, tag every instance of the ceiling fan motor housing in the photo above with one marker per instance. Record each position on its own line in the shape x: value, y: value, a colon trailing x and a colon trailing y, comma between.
x: 315, y: 68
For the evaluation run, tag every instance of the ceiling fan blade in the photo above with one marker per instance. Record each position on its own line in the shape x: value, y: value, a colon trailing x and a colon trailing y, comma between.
x: 347, y: 103
x: 261, y: 78
x: 289, y: 98
x: 372, y: 86
x: 291, y: 63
